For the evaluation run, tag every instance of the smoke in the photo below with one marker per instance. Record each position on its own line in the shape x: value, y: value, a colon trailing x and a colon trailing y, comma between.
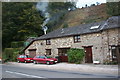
x: 53, y: 15
x: 42, y: 6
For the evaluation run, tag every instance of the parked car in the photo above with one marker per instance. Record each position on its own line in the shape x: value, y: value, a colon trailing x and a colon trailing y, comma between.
x: 44, y: 59
x: 24, y: 58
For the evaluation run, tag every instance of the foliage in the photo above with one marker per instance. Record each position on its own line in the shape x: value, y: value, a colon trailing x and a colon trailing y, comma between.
x: 75, y: 55
x: 65, y: 25
x: 15, y: 54
x: 58, y: 6
x: 92, y: 4
x: 113, y: 8
x: 17, y: 44
x: 19, y: 21
x: 57, y: 12
x: 10, y: 54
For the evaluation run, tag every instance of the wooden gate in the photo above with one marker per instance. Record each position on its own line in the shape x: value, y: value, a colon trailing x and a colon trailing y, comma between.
x: 62, y: 52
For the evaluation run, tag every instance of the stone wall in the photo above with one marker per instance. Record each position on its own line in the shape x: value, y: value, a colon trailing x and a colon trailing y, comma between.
x: 99, y: 41
x: 109, y: 38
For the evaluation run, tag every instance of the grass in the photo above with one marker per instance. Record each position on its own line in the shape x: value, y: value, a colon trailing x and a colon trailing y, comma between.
x: 85, y: 15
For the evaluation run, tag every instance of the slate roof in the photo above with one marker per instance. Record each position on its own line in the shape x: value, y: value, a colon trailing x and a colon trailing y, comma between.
x: 112, y: 22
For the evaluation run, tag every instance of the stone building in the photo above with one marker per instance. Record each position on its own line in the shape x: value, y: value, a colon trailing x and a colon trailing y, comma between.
x: 100, y: 41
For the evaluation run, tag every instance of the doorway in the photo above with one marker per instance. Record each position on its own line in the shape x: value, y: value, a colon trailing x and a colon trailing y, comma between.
x: 88, y: 54
x: 32, y: 53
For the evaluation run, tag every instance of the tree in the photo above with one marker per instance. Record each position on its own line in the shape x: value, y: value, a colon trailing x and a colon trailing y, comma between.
x: 20, y: 20
x: 92, y: 4
x: 97, y: 3
x: 57, y: 12
x: 113, y: 8
x: 86, y: 5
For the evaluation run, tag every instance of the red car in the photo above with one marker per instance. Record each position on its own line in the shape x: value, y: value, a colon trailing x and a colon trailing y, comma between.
x: 24, y: 58
x: 44, y: 59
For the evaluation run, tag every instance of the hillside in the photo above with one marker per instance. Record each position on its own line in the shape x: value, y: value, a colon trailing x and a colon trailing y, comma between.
x: 85, y: 15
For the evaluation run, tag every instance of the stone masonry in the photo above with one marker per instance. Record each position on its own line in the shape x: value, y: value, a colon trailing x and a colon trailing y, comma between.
x: 100, y: 42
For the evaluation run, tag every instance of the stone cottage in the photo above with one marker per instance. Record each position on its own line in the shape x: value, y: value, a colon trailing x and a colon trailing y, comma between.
x: 100, y: 41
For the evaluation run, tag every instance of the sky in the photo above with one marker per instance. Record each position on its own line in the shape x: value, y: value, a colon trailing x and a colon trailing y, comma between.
x: 82, y: 3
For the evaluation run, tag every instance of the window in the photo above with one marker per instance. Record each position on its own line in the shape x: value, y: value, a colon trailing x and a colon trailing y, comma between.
x: 48, y: 42
x: 48, y: 51
x: 95, y: 27
x: 77, y: 38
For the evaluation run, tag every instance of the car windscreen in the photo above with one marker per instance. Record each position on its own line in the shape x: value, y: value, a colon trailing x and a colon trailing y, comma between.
x: 22, y: 56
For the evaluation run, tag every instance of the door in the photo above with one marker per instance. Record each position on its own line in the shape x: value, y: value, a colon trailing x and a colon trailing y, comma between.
x: 32, y: 53
x: 88, y: 54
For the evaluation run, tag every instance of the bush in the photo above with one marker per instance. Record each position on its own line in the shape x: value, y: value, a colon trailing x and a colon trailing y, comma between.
x: 15, y: 54
x: 75, y: 55
x: 10, y: 54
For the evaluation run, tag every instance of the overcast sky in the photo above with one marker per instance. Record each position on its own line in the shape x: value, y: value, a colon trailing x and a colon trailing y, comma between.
x: 82, y: 3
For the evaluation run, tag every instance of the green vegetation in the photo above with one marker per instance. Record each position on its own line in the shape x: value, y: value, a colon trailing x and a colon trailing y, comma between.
x: 57, y: 11
x: 85, y: 15
x: 65, y: 25
x: 113, y: 8
x: 17, y: 44
x: 20, y: 20
x: 10, y: 54
x: 75, y: 55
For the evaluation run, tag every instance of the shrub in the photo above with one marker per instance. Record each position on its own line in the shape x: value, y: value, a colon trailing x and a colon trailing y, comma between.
x: 10, y: 54
x: 75, y: 55
x: 15, y: 54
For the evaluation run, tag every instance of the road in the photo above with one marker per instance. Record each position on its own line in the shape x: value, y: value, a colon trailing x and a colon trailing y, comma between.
x: 12, y: 71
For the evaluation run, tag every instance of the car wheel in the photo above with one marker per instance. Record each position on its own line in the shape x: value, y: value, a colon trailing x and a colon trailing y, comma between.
x: 35, y: 62
x: 47, y: 62
x: 18, y: 61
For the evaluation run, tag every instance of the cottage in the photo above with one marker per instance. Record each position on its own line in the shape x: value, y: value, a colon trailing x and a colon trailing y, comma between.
x: 100, y: 40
